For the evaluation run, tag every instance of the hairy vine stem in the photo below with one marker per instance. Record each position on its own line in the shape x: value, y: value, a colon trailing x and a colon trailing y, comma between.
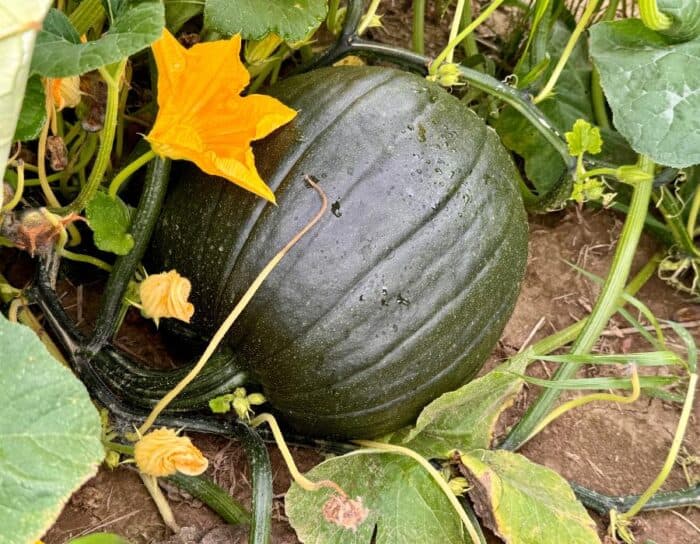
x: 602, y: 311
x: 349, y: 43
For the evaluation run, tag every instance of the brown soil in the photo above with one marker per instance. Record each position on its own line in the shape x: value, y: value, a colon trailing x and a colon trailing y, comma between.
x: 610, y: 448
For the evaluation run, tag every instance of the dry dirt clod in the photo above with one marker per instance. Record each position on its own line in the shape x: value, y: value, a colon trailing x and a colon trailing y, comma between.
x: 57, y: 153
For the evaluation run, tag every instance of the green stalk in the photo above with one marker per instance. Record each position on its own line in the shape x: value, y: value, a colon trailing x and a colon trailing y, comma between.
x: 605, y: 306
x: 610, y: 10
x: 104, y: 153
x: 88, y: 14
x: 418, y: 26
x: 261, y: 473
x: 456, y: 23
x: 469, y: 43
x: 119, y: 146
x: 19, y: 190
x: 672, y: 211
x: 331, y: 18
x: 87, y: 259
x: 693, y: 214
x: 597, y: 96
x: 123, y: 270
x: 445, y: 53
x: 672, y: 453
x: 213, y: 496
x: 573, y: 39
x: 652, y: 17
x: 367, y: 19
x: 598, y: 100
x: 128, y: 171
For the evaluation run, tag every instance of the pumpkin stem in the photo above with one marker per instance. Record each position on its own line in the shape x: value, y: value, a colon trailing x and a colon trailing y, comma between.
x: 229, y: 321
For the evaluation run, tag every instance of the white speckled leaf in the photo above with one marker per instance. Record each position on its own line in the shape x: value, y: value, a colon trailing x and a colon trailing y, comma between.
x: 653, y: 88
x: 49, y: 435
x: 405, y: 504
x: 526, y: 503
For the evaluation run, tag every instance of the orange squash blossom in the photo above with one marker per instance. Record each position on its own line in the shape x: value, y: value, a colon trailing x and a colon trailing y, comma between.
x: 163, y: 453
x: 165, y: 295
x: 203, y: 118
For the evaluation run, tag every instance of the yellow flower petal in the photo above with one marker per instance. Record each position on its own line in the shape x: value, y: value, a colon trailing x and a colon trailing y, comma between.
x: 165, y: 295
x: 163, y: 453
x: 201, y: 116
x: 63, y: 92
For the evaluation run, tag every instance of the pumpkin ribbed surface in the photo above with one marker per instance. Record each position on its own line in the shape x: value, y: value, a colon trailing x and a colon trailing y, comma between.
x: 400, y: 292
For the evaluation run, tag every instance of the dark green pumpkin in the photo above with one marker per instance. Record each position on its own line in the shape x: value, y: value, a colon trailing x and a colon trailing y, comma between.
x: 401, y: 291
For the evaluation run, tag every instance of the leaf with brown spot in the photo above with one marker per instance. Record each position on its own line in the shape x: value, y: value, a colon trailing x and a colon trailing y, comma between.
x: 523, y: 502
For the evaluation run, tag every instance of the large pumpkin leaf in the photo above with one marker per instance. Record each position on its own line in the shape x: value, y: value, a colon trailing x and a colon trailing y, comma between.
x: 60, y: 53
x: 17, y: 30
x: 464, y: 419
x: 404, y: 502
x: 49, y: 435
x: 653, y: 88
x: 525, y: 503
x: 253, y: 19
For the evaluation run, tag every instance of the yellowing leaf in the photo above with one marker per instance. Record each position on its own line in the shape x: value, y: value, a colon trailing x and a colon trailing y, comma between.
x: 525, y: 503
x: 203, y: 118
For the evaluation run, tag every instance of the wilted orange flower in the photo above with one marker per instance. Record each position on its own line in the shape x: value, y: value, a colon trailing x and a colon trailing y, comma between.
x: 165, y: 295
x: 203, y: 118
x: 63, y: 92
x: 163, y: 453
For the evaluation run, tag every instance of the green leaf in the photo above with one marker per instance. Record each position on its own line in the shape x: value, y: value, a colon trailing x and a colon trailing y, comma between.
x: 109, y: 220
x: 99, y: 538
x: 584, y: 138
x: 16, y: 44
x: 221, y: 404
x: 404, y: 502
x: 685, y: 15
x: 524, y: 502
x: 59, y: 52
x: 178, y: 12
x: 464, y: 419
x: 292, y: 20
x: 49, y: 435
x: 33, y: 114
x: 652, y: 87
